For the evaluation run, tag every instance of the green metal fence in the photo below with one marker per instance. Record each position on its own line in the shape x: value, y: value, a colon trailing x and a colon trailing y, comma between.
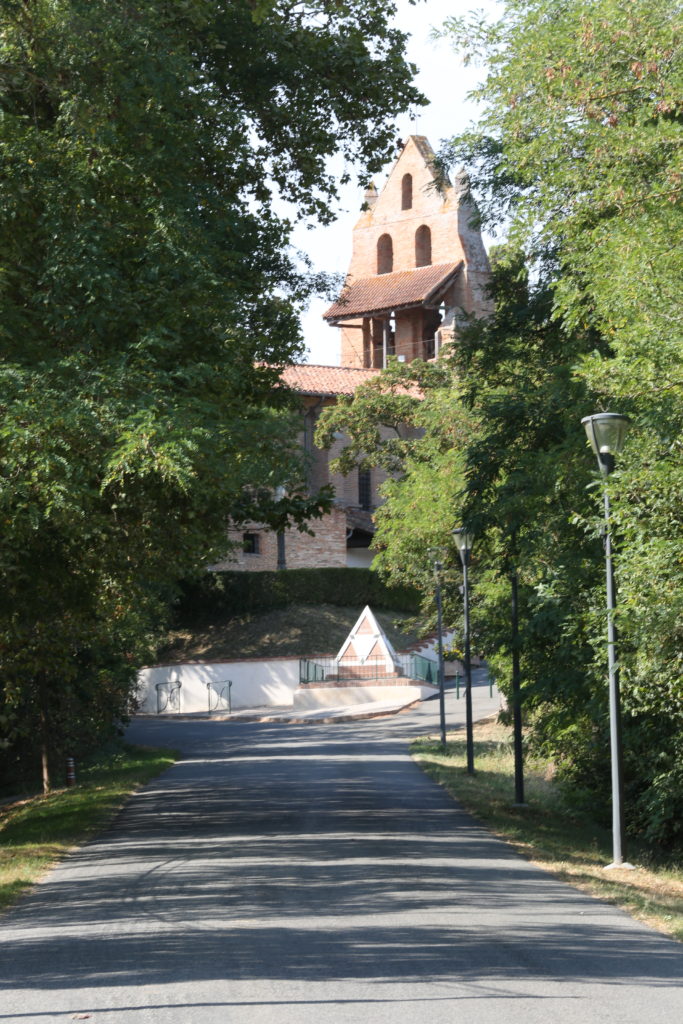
x: 407, y: 666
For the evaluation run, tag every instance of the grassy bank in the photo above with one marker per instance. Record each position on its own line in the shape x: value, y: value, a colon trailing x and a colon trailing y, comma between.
x: 551, y: 834
x: 292, y: 632
x: 38, y: 831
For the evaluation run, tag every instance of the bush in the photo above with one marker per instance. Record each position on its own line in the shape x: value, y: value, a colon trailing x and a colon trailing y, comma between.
x: 233, y: 593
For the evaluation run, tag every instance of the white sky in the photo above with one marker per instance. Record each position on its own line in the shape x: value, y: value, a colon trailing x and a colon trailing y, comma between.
x: 445, y: 82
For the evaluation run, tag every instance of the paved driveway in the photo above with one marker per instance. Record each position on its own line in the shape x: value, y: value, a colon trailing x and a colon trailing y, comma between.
x: 300, y: 874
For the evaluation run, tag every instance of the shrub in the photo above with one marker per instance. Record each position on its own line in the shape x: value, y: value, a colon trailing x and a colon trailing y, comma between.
x: 233, y: 593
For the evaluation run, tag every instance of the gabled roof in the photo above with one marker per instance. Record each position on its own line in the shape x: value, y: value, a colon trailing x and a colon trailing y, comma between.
x: 422, y: 143
x: 309, y: 379
x: 383, y: 293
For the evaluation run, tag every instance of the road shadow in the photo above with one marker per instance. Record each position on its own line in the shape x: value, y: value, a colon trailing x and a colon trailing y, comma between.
x: 305, y: 855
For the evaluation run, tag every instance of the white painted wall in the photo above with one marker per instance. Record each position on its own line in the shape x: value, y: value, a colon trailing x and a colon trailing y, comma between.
x: 330, y: 696
x: 254, y: 684
x: 359, y: 558
x: 429, y: 649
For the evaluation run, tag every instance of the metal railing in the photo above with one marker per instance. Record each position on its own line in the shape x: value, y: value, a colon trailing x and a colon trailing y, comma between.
x: 424, y: 669
x: 169, y: 697
x: 219, y: 699
x: 330, y: 670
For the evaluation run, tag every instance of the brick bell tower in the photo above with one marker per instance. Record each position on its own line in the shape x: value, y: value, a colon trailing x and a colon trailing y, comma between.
x: 417, y: 263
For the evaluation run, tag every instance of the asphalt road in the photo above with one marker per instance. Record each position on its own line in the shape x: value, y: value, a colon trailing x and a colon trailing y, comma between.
x: 311, y: 874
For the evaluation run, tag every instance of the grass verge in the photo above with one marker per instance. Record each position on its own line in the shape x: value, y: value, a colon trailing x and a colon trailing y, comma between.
x: 38, y: 831
x: 561, y: 839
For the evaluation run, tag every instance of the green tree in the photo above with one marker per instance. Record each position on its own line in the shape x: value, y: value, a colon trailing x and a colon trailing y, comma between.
x: 500, y: 448
x: 148, y: 295
x: 410, y: 423
x: 489, y: 438
x: 580, y: 149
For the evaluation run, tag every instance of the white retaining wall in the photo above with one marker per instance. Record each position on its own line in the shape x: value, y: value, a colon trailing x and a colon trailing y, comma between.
x: 331, y: 696
x: 254, y: 684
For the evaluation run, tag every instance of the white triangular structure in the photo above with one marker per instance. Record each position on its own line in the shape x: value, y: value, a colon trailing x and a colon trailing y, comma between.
x: 368, y: 645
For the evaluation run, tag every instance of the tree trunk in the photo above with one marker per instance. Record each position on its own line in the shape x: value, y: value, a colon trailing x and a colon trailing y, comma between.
x: 44, y: 736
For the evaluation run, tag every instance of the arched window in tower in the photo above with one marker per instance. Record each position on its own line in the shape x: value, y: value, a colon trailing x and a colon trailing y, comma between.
x: 385, y: 254
x: 407, y: 192
x: 423, y: 246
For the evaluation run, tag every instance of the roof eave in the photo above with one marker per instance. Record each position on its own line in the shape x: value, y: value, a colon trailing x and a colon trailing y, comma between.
x: 361, y: 314
x: 442, y: 285
x: 427, y: 300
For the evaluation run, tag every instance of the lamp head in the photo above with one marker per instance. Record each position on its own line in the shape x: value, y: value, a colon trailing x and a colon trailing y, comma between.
x: 464, y: 540
x: 606, y: 432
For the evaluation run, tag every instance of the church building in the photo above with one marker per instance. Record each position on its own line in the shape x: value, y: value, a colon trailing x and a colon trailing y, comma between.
x: 418, y: 263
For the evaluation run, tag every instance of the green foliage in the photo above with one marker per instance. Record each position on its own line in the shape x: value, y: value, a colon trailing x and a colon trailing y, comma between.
x: 235, y: 593
x: 148, y: 295
x: 501, y: 449
x: 410, y: 422
x: 580, y: 147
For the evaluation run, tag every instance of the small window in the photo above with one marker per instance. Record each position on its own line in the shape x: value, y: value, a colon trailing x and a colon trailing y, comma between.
x: 364, y: 488
x: 407, y: 192
x: 251, y: 543
x: 423, y: 246
x: 385, y: 254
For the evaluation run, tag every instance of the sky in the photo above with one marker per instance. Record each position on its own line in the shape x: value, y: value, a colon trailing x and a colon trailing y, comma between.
x: 445, y: 82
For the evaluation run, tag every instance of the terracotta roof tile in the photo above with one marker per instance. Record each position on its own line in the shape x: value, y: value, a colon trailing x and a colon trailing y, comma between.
x: 386, y: 292
x: 309, y: 379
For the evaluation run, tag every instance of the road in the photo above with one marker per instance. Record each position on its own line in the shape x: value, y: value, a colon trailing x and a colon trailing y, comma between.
x: 313, y: 875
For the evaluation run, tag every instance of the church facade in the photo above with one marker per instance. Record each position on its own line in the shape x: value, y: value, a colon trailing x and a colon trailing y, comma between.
x: 417, y: 265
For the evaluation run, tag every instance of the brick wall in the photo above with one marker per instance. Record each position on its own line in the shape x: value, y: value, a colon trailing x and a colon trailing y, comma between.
x: 439, y: 211
x: 327, y: 549
x: 453, y: 238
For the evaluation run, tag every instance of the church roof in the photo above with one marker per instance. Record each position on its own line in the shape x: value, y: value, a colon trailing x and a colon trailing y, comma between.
x: 370, y: 296
x: 309, y: 379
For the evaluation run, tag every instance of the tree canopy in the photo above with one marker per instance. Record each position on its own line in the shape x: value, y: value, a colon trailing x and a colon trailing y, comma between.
x: 581, y: 147
x: 577, y: 154
x: 148, y: 296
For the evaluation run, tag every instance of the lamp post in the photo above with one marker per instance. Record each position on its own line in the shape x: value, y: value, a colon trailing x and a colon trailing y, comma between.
x: 516, y: 682
x: 464, y: 541
x: 281, y: 544
x: 439, y: 627
x: 606, y: 432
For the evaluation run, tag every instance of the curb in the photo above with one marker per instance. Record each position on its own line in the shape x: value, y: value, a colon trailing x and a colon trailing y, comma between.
x: 285, y: 719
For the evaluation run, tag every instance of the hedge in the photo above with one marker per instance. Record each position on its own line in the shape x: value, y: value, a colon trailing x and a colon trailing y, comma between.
x: 225, y: 594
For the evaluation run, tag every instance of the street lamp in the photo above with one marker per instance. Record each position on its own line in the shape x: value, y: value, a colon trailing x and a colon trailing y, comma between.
x: 438, y: 566
x: 606, y: 432
x: 516, y: 680
x: 279, y: 494
x: 464, y: 540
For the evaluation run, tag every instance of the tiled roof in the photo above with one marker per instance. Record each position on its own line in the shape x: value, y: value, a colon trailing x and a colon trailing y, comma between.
x: 309, y: 379
x: 385, y: 292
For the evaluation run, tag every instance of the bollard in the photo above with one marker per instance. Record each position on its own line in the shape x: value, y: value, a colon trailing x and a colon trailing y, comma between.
x: 457, y: 686
x: 70, y: 771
